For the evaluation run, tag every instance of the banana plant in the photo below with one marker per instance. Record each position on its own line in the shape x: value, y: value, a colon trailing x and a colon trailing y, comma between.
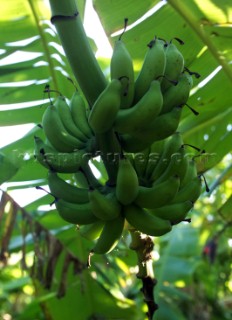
x: 56, y: 50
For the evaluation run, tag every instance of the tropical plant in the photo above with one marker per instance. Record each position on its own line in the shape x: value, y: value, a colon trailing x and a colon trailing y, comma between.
x: 44, y: 272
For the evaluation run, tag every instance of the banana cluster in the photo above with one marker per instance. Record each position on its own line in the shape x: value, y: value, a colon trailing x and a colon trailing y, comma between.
x: 156, y: 181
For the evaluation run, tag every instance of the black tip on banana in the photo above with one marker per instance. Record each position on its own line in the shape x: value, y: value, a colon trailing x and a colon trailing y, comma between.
x: 124, y: 29
x: 196, y: 113
x: 190, y: 145
x: 55, y: 198
x: 196, y: 74
x: 207, y: 189
x: 174, y: 82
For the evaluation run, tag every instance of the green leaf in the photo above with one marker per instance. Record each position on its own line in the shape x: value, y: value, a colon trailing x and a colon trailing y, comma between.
x: 8, y: 168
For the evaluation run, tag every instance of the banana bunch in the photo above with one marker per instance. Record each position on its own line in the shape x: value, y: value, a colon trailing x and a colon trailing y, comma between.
x: 133, y: 126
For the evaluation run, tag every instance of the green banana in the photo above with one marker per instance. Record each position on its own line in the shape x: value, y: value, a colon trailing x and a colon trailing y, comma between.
x: 145, y: 222
x: 91, y: 231
x: 190, y: 174
x: 75, y: 213
x: 140, y: 161
x: 159, y: 194
x: 162, y: 127
x: 81, y: 180
x: 58, y: 161
x: 147, y: 108
x: 191, y: 191
x: 64, y: 190
x: 174, y: 213
x: 121, y: 67
x: 127, y: 184
x: 177, y: 165
x: 105, y: 108
x: 156, y: 151
x: 56, y: 132
x: 174, y: 66
x: 177, y: 95
x: 104, y: 206
x: 66, y: 117
x: 153, y: 66
x: 133, y: 143
x: 171, y: 146
x: 79, y: 114
x: 110, y: 236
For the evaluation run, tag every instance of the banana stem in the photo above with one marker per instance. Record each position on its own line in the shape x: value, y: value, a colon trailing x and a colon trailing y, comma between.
x: 77, y: 48
x: 143, y: 246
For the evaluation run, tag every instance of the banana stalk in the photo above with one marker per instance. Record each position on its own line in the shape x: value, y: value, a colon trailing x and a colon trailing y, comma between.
x: 66, y: 18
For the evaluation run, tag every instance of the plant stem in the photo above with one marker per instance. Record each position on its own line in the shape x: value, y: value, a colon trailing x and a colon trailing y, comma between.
x: 77, y: 48
x: 143, y: 246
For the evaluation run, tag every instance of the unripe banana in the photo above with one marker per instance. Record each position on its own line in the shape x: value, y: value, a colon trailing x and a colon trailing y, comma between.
x: 145, y: 222
x: 110, y: 235
x: 58, y: 161
x: 81, y: 180
x: 171, y: 146
x: 153, y: 66
x: 177, y: 95
x: 75, y: 213
x: 190, y: 174
x: 121, y: 67
x: 66, y: 117
x: 191, y: 191
x: 64, y: 190
x: 156, y: 151
x: 162, y: 127
x: 177, y: 165
x: 105, y: 108
x: 174, y: 213
x: 104, y: 206
x: 147, y: 108
x: 127, y: 183
x: 158, y: 195
x: 79, y: 114
x: 56, y: 133
x: 174, y: 66
x: 92, y: 231
x: 140, y: 161
x: 133, y: 143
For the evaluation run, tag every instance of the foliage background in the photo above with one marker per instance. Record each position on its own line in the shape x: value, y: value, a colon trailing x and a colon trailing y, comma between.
x: 191, y: 285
